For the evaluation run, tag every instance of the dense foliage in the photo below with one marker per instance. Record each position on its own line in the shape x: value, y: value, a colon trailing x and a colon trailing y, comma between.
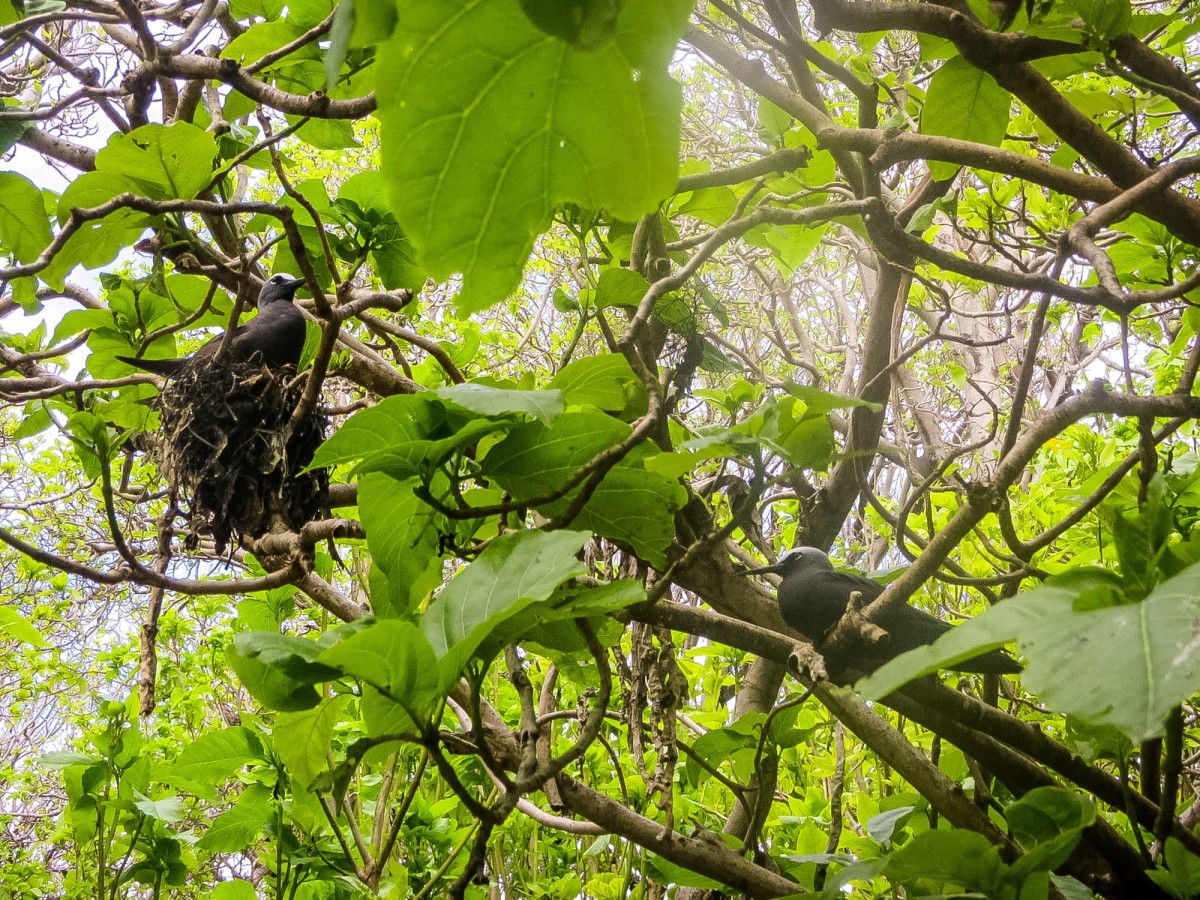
x: 608, y: 300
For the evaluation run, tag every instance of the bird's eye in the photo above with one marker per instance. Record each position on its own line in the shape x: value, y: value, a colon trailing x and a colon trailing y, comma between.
x: 278, y: 279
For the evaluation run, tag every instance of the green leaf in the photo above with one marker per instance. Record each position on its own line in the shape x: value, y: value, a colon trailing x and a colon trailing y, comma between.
x: 605, y: 382
x: 712, y: 206
x: 419, y: 458
x: 1048, y: 822
x: 1106, y: 19
x: 263, y: 9
x: 384, y: 716
x: 61, y: 759
x: 630, y: 504
x: 302, y: 738
x: 620, y: 287
x: 817, y: 401
x: 403, y: 538
x: 714, y: 747
x: 967, y: 104
x: 278, y: 670
x: 339, y: 42
x: 235, y: 829
x: 1182, y: 875
x: 1044, y: 813
x: 588, y: 24
x: 489, y: 124
x: 326, y: 134
x: 232, y: 890
x: 164, y: 161
x: 1125, y: 666
x: 95, y: 244
x: 540, y: 623
x: 391, y: 251
x: 374, y: 21
x: 394, y: 657
x: 1094, y: 742
x: 168, y: 809
x: 16, y: 626
x: 883, y: 826
x: 772, y: 121
x: 514, y: 571
x: 541, y: 406
x: 266, y: 37
x: 214, y: 757
x: 788, y: 429
x: 396, y: 420
x: 24, y: 225
x: 956, y: 858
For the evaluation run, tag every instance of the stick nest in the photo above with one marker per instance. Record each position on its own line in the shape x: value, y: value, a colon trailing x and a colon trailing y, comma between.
x: 227, y: 452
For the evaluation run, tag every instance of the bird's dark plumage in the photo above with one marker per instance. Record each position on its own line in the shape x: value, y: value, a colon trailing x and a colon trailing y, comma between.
x: 813, y: 597
x: 275, y: 337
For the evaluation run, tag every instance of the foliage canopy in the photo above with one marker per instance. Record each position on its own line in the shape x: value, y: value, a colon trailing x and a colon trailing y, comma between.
x: 607, y: 300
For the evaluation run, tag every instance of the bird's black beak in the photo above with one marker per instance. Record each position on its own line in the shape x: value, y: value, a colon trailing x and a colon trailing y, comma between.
x: 762, y: 570
x: 295, y: 284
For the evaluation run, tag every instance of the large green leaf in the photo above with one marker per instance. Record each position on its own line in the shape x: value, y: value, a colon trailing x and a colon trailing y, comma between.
x: 95, y: 244
x: 631, y: 504
x: 403, y: 538
x: 24, y: 225
x: 236, y: 828
x: 1125, y: 666
x: 965, y: 103
x: 604, y: 382
x: 165, y: 161
x: 957, y: 858
x: 213, y: 757
x: 489, y: 124
x: 279, y: 670
x: 515, y: 570
x: 1048, y: 822
x: 394, y: 657
x: 302, y: 738
x: 485, y: 400
x: 396, y: 420
x: 551, y: 623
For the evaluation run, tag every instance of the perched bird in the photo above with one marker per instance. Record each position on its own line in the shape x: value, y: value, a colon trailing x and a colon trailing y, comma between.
x: 275, y: 337
x: 813, y: 598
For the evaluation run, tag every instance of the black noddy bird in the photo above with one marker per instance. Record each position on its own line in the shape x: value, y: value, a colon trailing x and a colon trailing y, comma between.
x: 813, y: 597
x: 275, y: 337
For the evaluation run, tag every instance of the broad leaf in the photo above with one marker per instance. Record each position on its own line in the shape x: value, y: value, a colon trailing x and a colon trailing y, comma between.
x: 164, y: 161
x: 631, y: 503
x: 24, y: 225
x: 403, y: 541
x: 514, y: 571
x: 168, y: 809
x: 213, y: 757
x: 394, y: 657
x: 236, y: 828
x: 478, y: 152
x: 604, y: 382
x: 302, y: 738
x: 1125, y: 666
x: 407, y: 417
x: 483, y: 400
x: 957, y: 858
x: 402, y: 535
x: 965, y: 103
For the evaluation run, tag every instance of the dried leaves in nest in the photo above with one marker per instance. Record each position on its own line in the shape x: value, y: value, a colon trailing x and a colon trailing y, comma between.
x: 226, y: 450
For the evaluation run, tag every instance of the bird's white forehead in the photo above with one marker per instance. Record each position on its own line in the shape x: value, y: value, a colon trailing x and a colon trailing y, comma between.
x: 810, y: 553
x: 280, y: 278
